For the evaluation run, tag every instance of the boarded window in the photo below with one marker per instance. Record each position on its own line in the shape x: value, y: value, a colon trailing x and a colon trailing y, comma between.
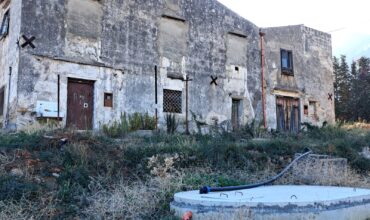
x: 2, y: 98
x: 108, y: 100
x: 236, y: 52
x: 173, y: 37
x: 4, y: 29
x: 286, y: 62
x: 172, y: 101
x: 313, y: 111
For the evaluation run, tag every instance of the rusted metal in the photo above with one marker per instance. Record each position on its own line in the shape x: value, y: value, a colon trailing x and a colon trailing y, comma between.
x: 80, y: 104
x: 172, y: 101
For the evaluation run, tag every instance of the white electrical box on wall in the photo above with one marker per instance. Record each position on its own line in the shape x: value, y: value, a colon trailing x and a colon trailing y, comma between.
x: 48, y: 110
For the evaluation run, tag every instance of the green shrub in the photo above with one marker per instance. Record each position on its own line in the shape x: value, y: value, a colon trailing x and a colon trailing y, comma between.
x: 149, y: 122
x: 76, y: 175
x: 33, y: 141
x: 171, y: 123
x: 14, y: 188
x: 136, y: 121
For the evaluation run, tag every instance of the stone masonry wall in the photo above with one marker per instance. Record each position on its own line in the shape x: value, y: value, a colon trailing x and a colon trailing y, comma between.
x: 313, y: 75
x: 9, y: 58
x: 117, y: 43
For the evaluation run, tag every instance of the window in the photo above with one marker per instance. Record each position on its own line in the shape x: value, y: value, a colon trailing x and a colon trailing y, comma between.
x: 306, y: 109
x: 4, y: 28
x: 172, y: 101
x: 2, y: 98
x: 108, y: 100
x: 286, y: 61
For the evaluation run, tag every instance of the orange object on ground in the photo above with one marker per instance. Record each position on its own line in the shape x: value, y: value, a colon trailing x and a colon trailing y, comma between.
x: 187, y: 216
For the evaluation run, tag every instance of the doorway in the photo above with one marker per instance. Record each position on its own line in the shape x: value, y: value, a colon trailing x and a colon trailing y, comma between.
x: 80, y: 104
x: 288, y: 114
x: 236, y: 114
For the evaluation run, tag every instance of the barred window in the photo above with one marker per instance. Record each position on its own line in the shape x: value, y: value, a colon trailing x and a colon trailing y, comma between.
x: 172, y: 101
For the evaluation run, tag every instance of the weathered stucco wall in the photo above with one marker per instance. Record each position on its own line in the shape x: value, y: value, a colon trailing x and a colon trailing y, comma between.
x: 9, y: 58
x: 312, y: 81
x: 118, y: 44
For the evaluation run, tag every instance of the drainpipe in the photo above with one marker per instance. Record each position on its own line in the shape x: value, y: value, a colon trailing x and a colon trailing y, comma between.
x: 263, y: 78
x: 8, y: 102
x: 156, y: 96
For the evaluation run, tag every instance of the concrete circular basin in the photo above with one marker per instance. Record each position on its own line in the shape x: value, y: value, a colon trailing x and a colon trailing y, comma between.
x: 277, y: 202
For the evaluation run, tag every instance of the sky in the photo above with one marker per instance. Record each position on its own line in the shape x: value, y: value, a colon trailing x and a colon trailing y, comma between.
x: 347, y: 21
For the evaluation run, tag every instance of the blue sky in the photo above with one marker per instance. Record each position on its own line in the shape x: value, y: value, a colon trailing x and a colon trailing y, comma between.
x: 347, y: 21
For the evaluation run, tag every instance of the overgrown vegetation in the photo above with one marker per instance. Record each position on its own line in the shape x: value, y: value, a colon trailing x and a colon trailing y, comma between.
x: 171, y: 123
x: 134, y: 122
x: 97, y: 177
x: 351, y: 87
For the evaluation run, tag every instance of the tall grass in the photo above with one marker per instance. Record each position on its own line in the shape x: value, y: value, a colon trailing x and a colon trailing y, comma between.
x: 95, y: 176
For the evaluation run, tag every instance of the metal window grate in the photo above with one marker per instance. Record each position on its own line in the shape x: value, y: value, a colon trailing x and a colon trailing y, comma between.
x: 172, y: 101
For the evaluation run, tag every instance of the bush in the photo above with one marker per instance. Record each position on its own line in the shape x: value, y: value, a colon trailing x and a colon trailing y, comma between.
x: 171, y: 123
x: 14, y: 188
x: 33, y: 141
x: 136, y: 121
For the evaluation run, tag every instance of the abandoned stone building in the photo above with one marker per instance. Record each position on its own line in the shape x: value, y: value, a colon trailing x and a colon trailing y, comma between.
x: 84, y: 62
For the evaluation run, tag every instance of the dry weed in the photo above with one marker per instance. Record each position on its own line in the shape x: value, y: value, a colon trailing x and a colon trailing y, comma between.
x: 359, y: 125
x: 26, y: 209
x: 163, y: 165
x: 137, y: 200
x: 5, y: 159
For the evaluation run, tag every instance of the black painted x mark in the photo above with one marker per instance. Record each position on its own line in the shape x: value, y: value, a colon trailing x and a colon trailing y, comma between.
x: 330, y: 96
x: 214, y: 80
x: 28, y: 41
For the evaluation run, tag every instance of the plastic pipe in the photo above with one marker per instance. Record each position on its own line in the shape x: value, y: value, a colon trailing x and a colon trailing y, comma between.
x: 207, y: 189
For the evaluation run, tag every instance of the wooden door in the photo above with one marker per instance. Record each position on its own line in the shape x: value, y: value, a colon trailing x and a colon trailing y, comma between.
x: 288, y: 114
x: 235, y: 114
x: 80, y: 104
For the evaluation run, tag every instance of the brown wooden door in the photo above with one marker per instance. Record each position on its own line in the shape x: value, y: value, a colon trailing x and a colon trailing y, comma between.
x: 288, y: 114
x: 235, y: 114
x: 80, y: 104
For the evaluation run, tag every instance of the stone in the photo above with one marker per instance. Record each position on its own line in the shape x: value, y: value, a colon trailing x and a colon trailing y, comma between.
x: 320, y: 169
x: 17, y: 172
x: 366, y: 152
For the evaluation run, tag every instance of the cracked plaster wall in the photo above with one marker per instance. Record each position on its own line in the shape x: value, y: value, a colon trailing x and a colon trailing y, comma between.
x: 118, y: 43
x: 9, y: 57
x: 313, y: 72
